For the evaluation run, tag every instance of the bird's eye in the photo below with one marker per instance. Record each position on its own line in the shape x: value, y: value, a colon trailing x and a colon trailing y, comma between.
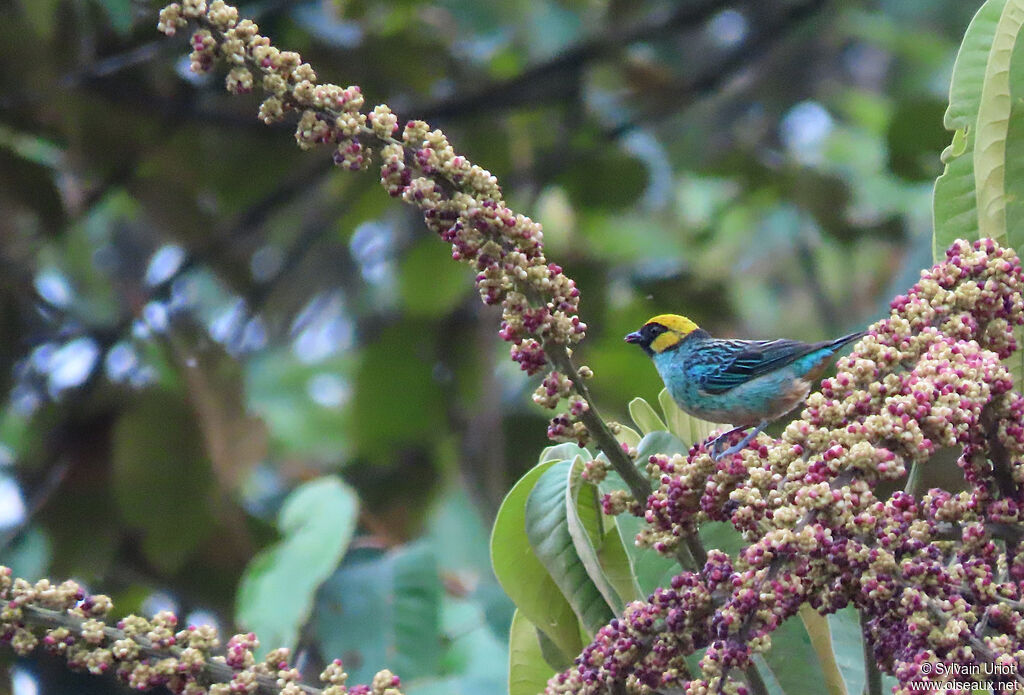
x: 656, y: 329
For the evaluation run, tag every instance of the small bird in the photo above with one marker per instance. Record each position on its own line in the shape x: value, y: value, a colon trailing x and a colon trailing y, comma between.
x: 747, y: 383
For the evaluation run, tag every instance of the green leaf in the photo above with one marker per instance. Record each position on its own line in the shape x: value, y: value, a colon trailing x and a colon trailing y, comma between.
x: 660, y: 443
x: 566, y: 451
x: 721, y: 535
x: 528, y: 673
x: 523, y: 576
x: 993, y: 121
x: 628, y: 436
x: 162, y: 478
x: 615, y: 563
x: 645, y: 417
x: 817, y: 629
x: 794, y: 662
x: 686, y: 427
x: 547, y: 527
x: 275, y: 595
x: 586, y: 527
x: 1014, y: 179
x: 848, y: 646
x: 650, y: 569
x: 954, y: 200
x: 383, y: 608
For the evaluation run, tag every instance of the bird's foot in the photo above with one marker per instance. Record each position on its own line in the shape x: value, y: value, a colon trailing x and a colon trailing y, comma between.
x: 738, y: 446
x: 718, y: 442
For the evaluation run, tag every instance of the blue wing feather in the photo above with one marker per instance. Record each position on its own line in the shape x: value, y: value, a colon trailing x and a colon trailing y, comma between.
x: 738, y: 361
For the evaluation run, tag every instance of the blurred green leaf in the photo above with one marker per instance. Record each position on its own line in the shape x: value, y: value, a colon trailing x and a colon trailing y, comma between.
x: 522, y: 575
x: 275, y: 595
x: 793, y: 661
x: 162, y: 479
x: 473, y: 649
x: 383, y: 611
x: 721, y: 535
x: 528, y: 673
x: 547, y: 527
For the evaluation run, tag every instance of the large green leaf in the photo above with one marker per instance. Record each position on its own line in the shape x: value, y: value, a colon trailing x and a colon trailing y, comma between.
x: 586, y: 527
x: 522, y: 575
x: 993, y: 121
x: 547, y: 528
x: 383, y: 609
x: 528, y: 673
x: 276, y: 592
x: 955, y: 199
x: 1015, y: 153
x: 615, y: 564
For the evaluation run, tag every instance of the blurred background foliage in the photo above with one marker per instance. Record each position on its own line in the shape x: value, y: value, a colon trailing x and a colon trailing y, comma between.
x: 204, y: 330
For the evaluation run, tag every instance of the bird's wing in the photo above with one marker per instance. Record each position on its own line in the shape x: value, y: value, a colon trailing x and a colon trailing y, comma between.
x: 739, y: 361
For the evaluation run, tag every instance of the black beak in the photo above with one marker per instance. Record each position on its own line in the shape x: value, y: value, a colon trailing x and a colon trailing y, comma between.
x: 634, y: 337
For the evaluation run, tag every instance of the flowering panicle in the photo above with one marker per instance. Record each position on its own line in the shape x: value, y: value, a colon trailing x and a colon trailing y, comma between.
x: 460, y: 201
x: 151, y: 653
x: 938, y: 577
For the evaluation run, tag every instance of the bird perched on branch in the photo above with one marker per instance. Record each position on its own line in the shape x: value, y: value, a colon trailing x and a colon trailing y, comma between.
x: 747, y: 383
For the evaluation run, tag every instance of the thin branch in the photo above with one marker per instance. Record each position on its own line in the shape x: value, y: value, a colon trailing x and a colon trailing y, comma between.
x: 872, y: 676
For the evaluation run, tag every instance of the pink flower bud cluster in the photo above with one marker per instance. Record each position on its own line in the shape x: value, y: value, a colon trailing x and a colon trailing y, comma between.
x: 152, y: 653
x: 460, y: 201
x: 938, y: 577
